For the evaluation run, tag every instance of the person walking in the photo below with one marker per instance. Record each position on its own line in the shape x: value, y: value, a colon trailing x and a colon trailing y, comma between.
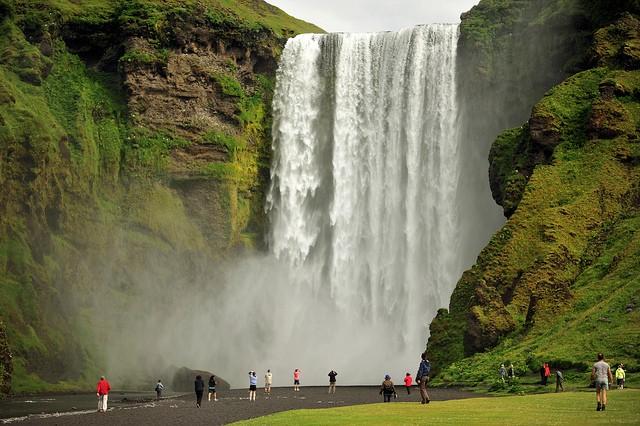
x: 102, y: 390
x: 503, y: 372
x: 602, y: 378
x: 253, y: 384
x: 408, y: 381
x: 332, y: 381
x: 268, y: 379
x: 422, y: 377
x: 387, y: 389
x: 296, y: 379
x: 212, y: 389
x: 199, y: 388
x: 159, y: 387
x: 559, y: 381
x: 620, y: 376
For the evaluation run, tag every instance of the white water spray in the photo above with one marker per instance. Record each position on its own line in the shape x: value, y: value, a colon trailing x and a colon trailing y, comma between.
x: 364, y: 194
x: 364, y: 204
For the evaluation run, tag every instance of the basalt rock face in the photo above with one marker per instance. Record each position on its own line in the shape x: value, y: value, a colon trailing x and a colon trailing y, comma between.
x: 552, y: 283
x: 134, y: 147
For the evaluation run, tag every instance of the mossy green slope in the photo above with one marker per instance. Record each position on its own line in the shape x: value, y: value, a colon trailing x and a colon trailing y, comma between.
x: 90, y: 191
x: 560, y: 281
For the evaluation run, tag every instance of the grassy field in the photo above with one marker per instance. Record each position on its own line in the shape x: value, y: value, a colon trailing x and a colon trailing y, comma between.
x: 568, y: 408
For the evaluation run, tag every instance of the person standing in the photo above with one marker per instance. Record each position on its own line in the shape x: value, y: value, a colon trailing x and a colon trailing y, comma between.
x: 212, y: 388
x: 602, y: 378
x: 332, y: 381
x: 268, y: 379
x: 253, y: 384
x: 422, y: 377
x: 159, y: 387
x: 296, y: 379
x: 511, y: 372
x: 199, y: 388
x: 503, y: 372
x: 620, y: 376
x: 407, y: 383
x: 387, y: 389
x: 102, y: 390
x: 559, y: 381
x: 547, y: 373
x: 542, y: 377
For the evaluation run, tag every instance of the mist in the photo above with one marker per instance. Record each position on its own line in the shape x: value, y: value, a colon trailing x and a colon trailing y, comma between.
x: 369, y: 232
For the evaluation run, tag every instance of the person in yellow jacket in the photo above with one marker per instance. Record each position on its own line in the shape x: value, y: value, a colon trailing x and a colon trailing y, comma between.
x: 620, y: 376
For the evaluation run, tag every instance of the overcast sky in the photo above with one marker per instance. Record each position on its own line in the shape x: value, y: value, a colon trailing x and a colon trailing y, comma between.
x: 359, y: 16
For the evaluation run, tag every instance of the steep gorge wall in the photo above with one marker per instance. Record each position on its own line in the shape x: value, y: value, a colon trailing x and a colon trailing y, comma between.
x: 559, y: 281
x: 134, y: 144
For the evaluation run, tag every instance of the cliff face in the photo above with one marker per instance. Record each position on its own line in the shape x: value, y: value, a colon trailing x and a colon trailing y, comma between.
x: 134, y: 136
x: 558, y: 283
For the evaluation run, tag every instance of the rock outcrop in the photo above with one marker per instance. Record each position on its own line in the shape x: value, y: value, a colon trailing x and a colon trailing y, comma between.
x: 568, y: 181
x: 134, y: 139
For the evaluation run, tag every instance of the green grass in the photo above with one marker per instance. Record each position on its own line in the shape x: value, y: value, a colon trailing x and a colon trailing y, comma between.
x: 567, y: 408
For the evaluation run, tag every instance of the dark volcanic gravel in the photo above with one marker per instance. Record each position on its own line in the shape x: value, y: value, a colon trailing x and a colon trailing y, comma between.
x: 232, y: 406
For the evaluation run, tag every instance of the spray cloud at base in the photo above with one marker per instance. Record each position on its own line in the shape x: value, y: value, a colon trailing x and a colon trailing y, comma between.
x: 365, y: 241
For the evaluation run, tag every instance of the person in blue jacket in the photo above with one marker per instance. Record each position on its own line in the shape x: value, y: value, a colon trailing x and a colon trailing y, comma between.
x: 422, y: 377
x: 253, y: 383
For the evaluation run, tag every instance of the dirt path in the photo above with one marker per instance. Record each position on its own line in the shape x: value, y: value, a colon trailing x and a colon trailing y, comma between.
x: 232, y: 406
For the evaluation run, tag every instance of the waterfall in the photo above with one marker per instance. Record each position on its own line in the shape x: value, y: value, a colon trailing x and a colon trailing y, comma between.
x: 365, y: 215
x: 364, y: 186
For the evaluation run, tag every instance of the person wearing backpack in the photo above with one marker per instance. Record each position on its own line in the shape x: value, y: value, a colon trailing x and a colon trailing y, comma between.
x: 159, y: 387
x: 387, y: 389
x: 422, y: 377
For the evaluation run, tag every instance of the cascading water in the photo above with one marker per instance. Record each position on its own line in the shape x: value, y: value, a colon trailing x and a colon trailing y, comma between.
x: 364, y: 181
x: 364, y: 204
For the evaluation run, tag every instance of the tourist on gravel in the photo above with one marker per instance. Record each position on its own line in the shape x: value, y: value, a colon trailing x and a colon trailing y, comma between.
x: 159, y: 387
x: 602, y: 378
x: 268, y: 379
x: 102, y: 390
x: 620, y: 376
x: 212, y: 389
x: 253, y: 383
x: 332, y: 381
x: 422, y: 377
x: 407, y: 383
x: 199, y: 387
x: 387, y: 389
x: 296, y: 379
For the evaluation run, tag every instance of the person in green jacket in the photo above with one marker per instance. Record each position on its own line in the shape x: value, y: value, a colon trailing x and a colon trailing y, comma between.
x: 620, y: 376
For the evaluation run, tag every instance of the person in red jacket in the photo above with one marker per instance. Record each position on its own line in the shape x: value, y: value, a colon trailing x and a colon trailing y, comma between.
x: 102, y: 390
x: 407, y: 382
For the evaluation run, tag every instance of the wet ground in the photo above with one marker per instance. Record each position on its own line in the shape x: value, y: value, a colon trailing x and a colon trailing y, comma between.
x: 232, y: 406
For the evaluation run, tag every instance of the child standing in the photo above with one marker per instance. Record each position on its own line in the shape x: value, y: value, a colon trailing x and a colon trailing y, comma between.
x: 407, y: 382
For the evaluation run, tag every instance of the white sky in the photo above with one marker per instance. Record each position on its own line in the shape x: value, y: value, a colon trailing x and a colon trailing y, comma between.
x: 358, y: 16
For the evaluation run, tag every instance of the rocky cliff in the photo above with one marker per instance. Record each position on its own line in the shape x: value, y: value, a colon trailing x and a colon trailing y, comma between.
x: 134, y: 136
x: 559, y: 282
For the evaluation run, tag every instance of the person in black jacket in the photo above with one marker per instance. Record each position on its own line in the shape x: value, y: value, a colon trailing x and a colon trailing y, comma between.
x: 332, y: 381
x: 199, y: 386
